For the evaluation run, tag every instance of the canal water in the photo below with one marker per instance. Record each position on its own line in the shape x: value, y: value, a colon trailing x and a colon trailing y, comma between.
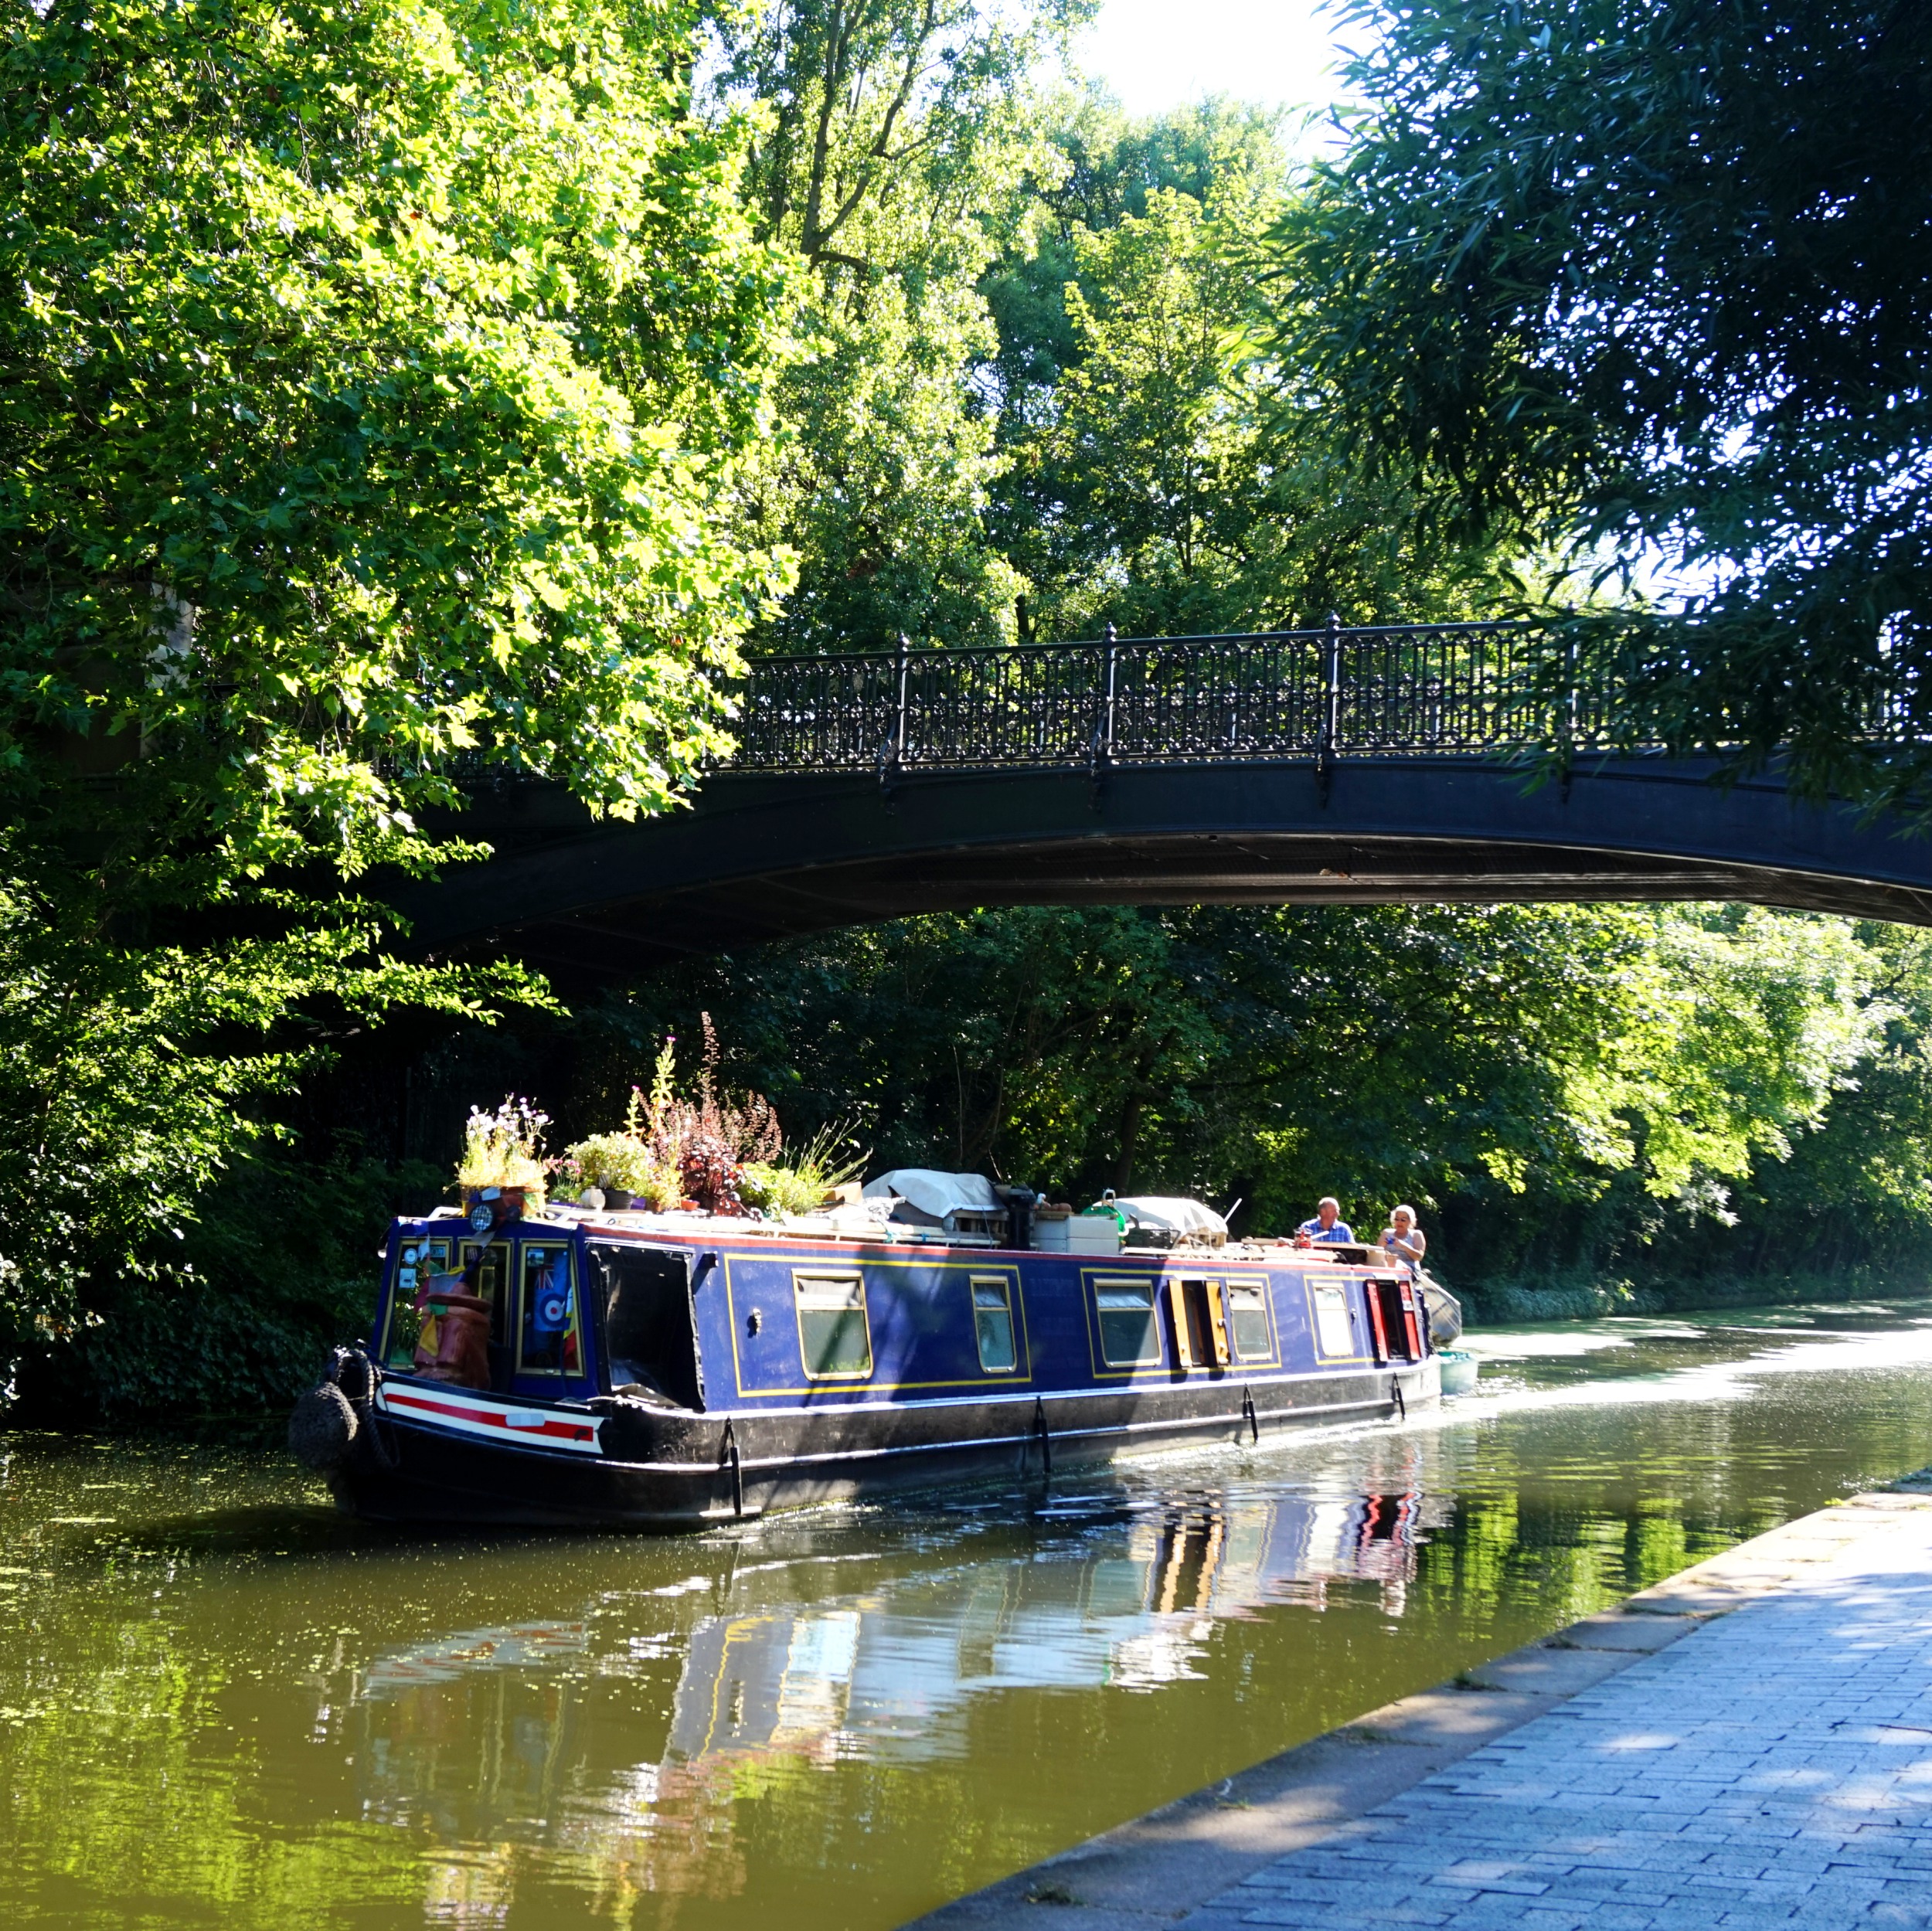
x: 221, y: 1705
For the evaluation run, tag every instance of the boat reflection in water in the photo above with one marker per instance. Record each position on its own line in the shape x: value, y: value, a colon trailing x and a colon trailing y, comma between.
x: 521, y: 1743
x: 898, y: 1677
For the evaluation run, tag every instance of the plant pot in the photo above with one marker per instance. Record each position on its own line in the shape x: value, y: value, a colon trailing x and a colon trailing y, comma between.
x: 618, y: 1198
x: 505, y: 1204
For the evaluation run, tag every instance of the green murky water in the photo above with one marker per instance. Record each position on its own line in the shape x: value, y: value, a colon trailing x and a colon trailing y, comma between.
x: 220, y: 1705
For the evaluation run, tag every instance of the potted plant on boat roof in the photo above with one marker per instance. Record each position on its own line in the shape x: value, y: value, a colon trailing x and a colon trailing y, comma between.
x: 619, y: 1166
x: 804, y: 1179
x: 502, y: 1172
x: 725, y: 1152
x: 565, y: 1177
x: 701, y: 1145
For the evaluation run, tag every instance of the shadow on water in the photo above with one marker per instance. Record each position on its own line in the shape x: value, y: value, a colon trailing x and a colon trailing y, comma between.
x: 221, y: 1702
x: 266, y: 1529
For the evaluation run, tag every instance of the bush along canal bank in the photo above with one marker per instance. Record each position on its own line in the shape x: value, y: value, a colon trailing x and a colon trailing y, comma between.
x: 221, y: 1701
x: 1513, y: 1302
x: 1747, y: 1778
x: 1699, y: 1105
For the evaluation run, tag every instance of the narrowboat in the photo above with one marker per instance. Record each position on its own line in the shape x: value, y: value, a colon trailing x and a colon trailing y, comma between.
x: 577, y: 1367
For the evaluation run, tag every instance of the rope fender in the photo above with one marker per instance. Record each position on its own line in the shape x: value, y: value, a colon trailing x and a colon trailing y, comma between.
x: 339, y: 1412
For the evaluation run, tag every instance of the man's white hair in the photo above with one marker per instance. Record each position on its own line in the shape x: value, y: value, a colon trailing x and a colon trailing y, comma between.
x: 1328, y: 1200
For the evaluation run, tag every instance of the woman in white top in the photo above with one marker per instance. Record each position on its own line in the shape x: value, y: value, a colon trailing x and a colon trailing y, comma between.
x: 1403, y: 1237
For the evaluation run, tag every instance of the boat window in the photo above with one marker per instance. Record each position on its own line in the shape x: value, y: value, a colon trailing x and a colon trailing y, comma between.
x: 650, y: 1340
x: 548, y: 1341
x: 447, y: 1345
x: 1248, y: 1316
x: 1333, y: 1331
x: 832, y: 1331
x: 421, y: 1263
x: 1128, y: 1336
x: 993, y: 1323
x: 485, y: 1269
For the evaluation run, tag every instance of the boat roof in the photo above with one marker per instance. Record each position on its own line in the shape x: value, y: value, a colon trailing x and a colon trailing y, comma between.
x: 856, y: 1226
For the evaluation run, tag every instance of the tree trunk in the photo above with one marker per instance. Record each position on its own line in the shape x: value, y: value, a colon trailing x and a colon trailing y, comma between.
x: 1130, y: 1133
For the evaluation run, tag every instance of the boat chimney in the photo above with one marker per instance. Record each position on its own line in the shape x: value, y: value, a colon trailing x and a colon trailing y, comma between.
x: 1019, y: 1216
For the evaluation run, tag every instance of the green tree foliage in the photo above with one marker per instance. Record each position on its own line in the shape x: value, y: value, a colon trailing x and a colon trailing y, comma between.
x: 131, y: 1077
x: 1146, y: 470
x: 1648, y: 278
x: 371, y: 385
x: 1105, y: 166
x: 896, y: 137
x: 1860, y: 1190
x: 1145, y: 484
x: 1555, y: 1083
x: 1035, y: 400
x: 367, y: 380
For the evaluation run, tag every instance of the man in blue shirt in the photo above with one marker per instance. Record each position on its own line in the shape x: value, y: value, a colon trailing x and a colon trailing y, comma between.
x: 1327, y: 1224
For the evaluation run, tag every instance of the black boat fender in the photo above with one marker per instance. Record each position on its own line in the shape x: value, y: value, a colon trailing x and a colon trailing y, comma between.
x: 326, y: 1424
x: 322, y: 1428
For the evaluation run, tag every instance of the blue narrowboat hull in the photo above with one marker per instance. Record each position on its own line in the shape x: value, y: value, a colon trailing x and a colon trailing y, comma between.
x: 719, y: 1375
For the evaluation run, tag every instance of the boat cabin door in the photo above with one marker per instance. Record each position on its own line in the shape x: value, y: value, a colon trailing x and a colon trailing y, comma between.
x: 1200, y: 1323
x: 1392, y: 1318
x: 649, y: 1322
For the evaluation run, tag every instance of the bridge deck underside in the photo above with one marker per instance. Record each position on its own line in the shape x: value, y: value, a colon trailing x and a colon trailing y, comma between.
x: 756, y: 859
x: 1178, y: 871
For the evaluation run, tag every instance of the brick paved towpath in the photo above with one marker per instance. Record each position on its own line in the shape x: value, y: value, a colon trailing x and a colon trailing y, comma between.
x: 1750, y: 1744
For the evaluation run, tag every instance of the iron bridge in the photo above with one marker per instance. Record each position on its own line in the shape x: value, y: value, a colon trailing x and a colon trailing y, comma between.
x: 1334, y: 765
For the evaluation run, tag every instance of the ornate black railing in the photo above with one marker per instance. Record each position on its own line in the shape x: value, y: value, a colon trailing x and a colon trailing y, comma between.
x: 1453, y: 690
x: 1449, y: 687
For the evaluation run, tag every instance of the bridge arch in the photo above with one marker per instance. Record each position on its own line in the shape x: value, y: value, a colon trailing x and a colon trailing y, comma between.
x: 1330, y: 766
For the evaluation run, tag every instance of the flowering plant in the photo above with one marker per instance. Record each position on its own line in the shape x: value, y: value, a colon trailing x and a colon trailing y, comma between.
x: 717, y: 1152
x: 505, y: 1148
x: 727, y: 1132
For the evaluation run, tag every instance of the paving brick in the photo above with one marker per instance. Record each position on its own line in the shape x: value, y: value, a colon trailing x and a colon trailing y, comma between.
x: 1774, y: 1767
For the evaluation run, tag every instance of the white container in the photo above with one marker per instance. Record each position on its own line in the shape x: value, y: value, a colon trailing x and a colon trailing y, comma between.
x: 1049, y: 1233
x: 1093, y: 1234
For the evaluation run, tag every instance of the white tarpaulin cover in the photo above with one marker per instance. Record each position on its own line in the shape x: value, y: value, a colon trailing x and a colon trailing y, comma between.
x: 935, y: 1194
x: 1174, y: 1215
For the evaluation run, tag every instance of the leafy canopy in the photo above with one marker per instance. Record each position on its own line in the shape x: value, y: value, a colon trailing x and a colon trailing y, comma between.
x: 131, y: 1078
x: 1145, y: 483
x: 897, y: 139
x: 1546, y: 1075
x: 1654, y: 278
x: 369, y: 379
x: 372, y: 379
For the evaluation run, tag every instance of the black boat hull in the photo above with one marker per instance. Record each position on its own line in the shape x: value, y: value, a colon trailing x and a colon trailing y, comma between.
x: 670, y: 1471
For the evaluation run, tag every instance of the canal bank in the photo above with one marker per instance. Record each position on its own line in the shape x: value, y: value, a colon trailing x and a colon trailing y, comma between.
x: 1750, y: 1742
